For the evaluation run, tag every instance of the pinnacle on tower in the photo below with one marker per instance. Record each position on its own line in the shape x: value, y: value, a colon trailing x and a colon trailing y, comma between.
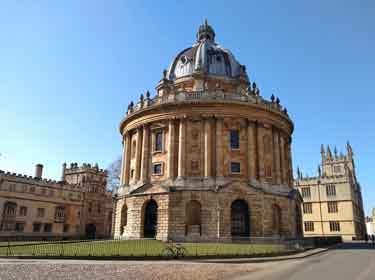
x: 329, y: 153
x: 335, y: 152
x: 349, y: 149
x: 322, y: 152
x: 319, y: 171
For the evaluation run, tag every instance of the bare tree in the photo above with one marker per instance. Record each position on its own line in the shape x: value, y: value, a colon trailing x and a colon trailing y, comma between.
x: 114, y: 170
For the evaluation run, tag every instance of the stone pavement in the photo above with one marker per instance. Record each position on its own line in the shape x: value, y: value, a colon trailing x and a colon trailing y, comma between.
x: 347, y: 261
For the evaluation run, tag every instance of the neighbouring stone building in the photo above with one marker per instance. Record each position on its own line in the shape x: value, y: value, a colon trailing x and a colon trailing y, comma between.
x: 207, y: 158
x: 370, y: 223
x: 333, y: 199
x: 75, y: 207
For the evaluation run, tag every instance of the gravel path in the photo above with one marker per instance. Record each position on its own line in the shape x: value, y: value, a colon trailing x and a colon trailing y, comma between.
x: 149, y: 270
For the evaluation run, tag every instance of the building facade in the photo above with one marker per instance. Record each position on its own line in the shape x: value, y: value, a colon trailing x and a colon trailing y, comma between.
x: 207, y: 158
x: 370, y: 223
x: 75, y: 207
x: 333, y: 199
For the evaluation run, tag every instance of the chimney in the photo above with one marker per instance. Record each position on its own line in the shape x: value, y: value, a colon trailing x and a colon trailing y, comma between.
x: 39, y: 171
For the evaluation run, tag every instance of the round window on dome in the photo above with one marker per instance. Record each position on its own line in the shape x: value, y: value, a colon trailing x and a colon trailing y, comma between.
x: 184, y: 59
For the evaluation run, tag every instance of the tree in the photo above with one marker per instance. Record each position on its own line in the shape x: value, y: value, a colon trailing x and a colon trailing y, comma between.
x: 114, y: 170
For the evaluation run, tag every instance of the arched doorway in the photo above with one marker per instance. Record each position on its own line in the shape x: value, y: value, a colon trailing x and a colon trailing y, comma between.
x: 91, y: 231
x: 276, y: 219
x: 299, y: 230
x: 193, y: 218
x: 124, y: 218
x: 150, y: 219
x: 240, y: 225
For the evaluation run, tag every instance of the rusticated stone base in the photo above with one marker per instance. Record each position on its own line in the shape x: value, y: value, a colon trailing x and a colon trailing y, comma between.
x: 210, y: 217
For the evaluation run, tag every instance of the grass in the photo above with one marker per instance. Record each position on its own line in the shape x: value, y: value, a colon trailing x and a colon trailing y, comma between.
x: 131, y: 248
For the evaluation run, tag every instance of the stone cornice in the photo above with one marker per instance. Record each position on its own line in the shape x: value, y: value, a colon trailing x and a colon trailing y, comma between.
x: 198, y: 103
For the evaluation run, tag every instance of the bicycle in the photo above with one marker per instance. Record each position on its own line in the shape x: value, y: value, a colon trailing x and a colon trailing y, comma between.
x: 174, y: 250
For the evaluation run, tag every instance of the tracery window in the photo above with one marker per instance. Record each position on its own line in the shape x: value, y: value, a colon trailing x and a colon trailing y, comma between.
x: 59, y: 214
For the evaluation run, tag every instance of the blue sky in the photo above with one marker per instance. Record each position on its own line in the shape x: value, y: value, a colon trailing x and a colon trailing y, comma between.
x: 68, y: 70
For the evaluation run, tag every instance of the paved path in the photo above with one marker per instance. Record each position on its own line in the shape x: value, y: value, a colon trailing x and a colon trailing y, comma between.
x: 349, y: 261
x: 355, y: 261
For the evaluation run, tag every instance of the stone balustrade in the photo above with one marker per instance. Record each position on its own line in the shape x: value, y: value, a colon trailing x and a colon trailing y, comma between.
x: 202, y: 96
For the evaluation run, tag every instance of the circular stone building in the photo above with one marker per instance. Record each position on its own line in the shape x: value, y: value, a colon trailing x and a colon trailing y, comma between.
x: 207, y: 158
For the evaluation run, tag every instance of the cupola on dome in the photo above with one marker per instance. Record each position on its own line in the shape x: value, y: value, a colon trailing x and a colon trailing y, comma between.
x: 206, y: 57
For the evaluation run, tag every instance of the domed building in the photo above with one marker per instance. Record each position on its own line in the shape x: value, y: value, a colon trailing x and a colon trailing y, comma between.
x: 207, y: 158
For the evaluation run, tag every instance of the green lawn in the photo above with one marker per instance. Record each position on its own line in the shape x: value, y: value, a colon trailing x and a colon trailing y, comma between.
x: 131, y: 248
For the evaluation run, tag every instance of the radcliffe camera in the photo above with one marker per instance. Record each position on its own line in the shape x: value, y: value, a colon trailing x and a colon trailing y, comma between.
x: 177, y: 141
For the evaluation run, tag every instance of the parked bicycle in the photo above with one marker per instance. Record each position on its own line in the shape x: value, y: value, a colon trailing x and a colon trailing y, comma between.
x: 174, y: 250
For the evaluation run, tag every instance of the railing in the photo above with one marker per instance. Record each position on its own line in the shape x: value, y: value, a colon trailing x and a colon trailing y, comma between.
x: 205, y: 96
x: 150, y: 248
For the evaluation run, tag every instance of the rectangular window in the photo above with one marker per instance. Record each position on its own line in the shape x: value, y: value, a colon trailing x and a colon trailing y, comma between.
x: 37, y: 227
x: 23, y: 211
x: 331, y: 190
x: 332, y: 207
x: 306, y: 192
x: 334, y: 226
x: 158, y: 141
x: 235, y: 167
x: 40, y: 212
x: 20, y: 227
x: 307, y: 208
x: 234, y: 139
x: 47, y: 227
x: 157, y: 169
x: 309, y: 226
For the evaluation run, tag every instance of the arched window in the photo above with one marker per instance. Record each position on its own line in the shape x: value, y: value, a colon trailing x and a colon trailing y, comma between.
x: 240, y: 224
x: 124, y: 218
x: 276, y: 219
x: 158, y: 141
x: 267, y: 147
x: 234, y: 139
x: 9, y: 216
x: 134, y: 147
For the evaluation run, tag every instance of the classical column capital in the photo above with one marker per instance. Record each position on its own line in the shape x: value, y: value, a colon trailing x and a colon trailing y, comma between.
x: 207, y: 116
x: 251, y: 122
x: 182, y: 118
x: 219, y: 118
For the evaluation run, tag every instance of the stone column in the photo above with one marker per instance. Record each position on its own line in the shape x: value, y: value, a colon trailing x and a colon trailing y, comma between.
x: 122, y: 171
x: 282, y: 160
x: 251, y: 150
x: 171, y: 149
x: 145, y: 154
x: 260, y: 150
x: 290, y: 167
x: 138, y: 154
x: 219, y: 147
x: 207, y: 147
x: 127, y: 158
x: 182, y: 148
x: 276, y: 156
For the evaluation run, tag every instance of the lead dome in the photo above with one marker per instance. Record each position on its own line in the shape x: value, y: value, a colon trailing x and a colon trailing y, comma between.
x: 207, y: 57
